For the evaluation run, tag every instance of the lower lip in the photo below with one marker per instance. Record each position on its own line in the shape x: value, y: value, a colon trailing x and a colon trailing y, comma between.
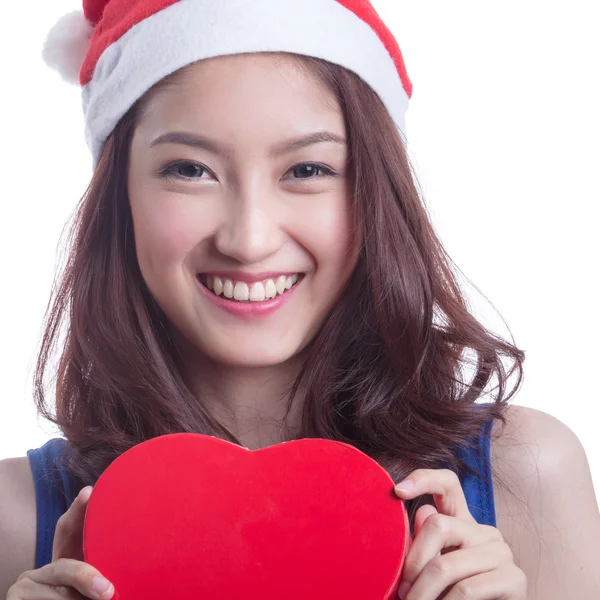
x: 248, y: 309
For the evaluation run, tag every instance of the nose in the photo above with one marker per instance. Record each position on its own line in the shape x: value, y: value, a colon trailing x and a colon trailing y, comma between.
x: 251, y: 230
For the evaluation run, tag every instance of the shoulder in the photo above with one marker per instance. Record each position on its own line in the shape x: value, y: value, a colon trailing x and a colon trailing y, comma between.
x: 534, y: 438
x: 538, y: 449
x: 18, y: 521
x: 546, y: 507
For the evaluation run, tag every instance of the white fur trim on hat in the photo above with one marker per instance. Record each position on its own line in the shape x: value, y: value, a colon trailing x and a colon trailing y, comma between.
x: 190, y: 30
x: 67, y: 44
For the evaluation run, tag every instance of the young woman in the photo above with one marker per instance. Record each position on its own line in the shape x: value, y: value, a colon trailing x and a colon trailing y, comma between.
x: 252, y: 260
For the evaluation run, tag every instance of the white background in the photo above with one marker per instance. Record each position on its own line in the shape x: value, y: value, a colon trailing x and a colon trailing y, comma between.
x: 504, y: 133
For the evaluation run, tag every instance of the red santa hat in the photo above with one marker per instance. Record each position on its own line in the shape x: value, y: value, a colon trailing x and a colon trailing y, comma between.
x: 118, y: 49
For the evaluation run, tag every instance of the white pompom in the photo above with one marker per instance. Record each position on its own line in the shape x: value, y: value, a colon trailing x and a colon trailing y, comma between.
x: 67, y: 44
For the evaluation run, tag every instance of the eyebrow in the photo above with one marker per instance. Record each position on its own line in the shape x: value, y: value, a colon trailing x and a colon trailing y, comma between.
x: 285, y: 147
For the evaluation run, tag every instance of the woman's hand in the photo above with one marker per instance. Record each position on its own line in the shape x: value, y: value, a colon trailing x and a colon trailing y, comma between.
x: 452, y: 556
x: 67, y: 576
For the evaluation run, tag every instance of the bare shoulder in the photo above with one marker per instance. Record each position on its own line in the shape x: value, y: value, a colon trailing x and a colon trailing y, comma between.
x: 18, y: 521
x: 546, y: 507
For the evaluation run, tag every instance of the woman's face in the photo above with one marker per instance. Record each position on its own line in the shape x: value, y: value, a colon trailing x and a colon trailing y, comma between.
x: 228, y: 191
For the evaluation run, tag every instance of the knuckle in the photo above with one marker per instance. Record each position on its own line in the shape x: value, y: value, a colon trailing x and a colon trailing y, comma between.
x: 448, y: 473
x: 82, y: 573
x: 412, y: 567
x: 450, y: 476
x: 437, y: 522
x: 72, y: 573
x: 60, y: 564
x: 25, y: 587
x: 64, y: 591
x: 64, y: 567
x: 24, y: 575
x: 522, y: 583
x: 439, y: 568
x: 504, y: 551
x: 422, y: 474
x: 74, y: 594
x: 465, y: 590
x: 53, y: 569
x: 493, y: 533
x: 418, y: 472
x: 21, y: 588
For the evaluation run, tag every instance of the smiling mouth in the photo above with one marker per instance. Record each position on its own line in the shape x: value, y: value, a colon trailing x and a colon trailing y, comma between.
x: 259, y: 291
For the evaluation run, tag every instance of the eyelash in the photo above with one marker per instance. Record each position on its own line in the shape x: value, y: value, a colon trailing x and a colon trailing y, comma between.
x: 169, y: 174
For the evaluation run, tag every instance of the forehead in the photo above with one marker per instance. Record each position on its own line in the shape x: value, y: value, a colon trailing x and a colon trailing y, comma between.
x: 275, y: 85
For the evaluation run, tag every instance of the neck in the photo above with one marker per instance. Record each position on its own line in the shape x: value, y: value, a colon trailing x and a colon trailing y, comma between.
x: 251, y: 402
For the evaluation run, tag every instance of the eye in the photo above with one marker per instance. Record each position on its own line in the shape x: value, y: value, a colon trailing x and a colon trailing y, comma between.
x: 311, y: 171
x: 184, y: 170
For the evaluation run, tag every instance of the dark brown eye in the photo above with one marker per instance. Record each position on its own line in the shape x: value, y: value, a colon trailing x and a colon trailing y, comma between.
x: 184, y: 170
x: 189, y: 170
x: 305, y: 171
x: 311, y: 171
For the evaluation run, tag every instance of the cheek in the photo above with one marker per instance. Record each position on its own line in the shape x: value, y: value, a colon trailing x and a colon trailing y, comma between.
x: 164, y: 234
x: 329, y: 236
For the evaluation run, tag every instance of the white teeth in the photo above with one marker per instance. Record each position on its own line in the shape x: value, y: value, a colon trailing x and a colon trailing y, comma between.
x: 217, y: 286
x: 280, y: 284
x: 241, y: 291
x: 256, y: 292
x: 228, y: 289
x: 270, y: 289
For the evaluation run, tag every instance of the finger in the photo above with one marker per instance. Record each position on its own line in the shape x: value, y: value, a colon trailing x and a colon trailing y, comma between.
x: 68, y: 537
x: 441, y: 531
x: 507, y: 581
x: 75, y: 574
x: 421, y: 516
x: 445, y: 487
x: 28, y: 589
x: 448, y: 569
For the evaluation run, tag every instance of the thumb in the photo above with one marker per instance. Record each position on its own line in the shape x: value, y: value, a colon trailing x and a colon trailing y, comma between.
x: 68, y: 537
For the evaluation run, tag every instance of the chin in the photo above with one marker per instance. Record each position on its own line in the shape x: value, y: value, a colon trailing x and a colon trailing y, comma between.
x: 235, y: 347
x: 251, y: 355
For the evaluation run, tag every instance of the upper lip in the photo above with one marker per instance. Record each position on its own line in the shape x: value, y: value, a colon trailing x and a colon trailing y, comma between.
x: 248, y: 277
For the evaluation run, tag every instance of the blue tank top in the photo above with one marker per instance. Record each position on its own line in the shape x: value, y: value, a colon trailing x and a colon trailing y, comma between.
x: 55, y: 489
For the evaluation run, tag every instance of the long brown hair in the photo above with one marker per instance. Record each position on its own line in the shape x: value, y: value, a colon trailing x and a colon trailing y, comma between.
x: 386, y: 372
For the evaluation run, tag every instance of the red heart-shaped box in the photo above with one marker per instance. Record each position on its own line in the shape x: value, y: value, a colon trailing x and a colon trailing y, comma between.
x: 192, y: 517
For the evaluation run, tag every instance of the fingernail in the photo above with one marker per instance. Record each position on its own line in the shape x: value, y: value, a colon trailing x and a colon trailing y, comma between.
x: 85, y: 493
x: 404, y: 589
x: 101, y: 586
x: 406, y: 486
